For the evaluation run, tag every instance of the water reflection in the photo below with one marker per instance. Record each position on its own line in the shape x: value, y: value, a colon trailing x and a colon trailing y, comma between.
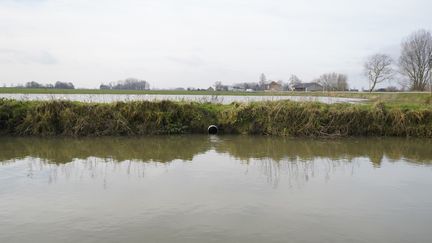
x: 235, y: 189
x: 271, y: 156
x: 375, y: 149
x: 168, y: 148
x: 64, y: 150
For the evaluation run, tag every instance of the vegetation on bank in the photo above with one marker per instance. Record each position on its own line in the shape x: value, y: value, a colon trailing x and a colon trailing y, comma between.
x: 286, y: 118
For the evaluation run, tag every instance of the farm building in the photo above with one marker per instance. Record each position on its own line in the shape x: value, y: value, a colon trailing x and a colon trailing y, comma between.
x: 308, y: 87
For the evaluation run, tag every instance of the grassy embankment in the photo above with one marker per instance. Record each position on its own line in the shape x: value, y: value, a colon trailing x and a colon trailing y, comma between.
x: 284, y: 118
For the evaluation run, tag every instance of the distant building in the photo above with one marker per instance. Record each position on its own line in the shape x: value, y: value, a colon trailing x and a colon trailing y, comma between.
x: 308, y: 87
x: 222, y: 88
x: 104, y: 86
x: 274, y: 86
x: 210, y: 89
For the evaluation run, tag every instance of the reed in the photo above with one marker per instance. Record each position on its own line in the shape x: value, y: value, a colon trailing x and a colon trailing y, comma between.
x: 286, y: 118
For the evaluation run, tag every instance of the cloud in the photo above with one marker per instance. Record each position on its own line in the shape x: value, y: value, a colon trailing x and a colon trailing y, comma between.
x: 195, y: 42
x: 192, y: 61
x: 23, y: 2
x: 23, y: 57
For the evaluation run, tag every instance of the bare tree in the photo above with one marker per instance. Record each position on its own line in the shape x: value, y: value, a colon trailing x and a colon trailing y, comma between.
x: 131, y: 84
x: 218, y: 85
x: 334, y: 81
x: 378, y: 68
x: 342, y: 82
x: 415, y: 61
x: 294, y: 80
x: 262, y: 81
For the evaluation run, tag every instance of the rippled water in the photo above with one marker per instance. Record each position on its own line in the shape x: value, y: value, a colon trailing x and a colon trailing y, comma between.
x: 225, y: 99
x: 215, y: 189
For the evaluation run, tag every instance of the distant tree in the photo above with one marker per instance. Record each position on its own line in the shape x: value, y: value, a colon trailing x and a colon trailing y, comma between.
x: 286, y: 87
x: 378, y: 68
x: 131, y: 84
x: 218, y: 86
x: 262, y: 78
x: 63, y: 85
x: 262, y: 81
x: 247, y: 85
x: 334, y: 81
x: 34, y: 85
x: 105, y: 86
x: 392, y: 89
x: 415, y: 61
x: 342, y: 82
x: 293, y: 80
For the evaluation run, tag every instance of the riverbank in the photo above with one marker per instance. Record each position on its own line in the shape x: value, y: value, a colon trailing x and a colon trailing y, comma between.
x: 285, y: 118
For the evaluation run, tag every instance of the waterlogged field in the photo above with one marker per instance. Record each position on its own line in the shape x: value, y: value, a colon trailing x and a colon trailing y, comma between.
x: 223, y: 99
x: 215, y: 189
x: 405, y: 99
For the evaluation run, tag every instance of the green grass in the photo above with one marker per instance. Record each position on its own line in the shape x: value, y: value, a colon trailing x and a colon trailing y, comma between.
x: 285, y: 118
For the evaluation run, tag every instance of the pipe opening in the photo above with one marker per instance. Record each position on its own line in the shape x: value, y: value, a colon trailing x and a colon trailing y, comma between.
x: 212, y: 129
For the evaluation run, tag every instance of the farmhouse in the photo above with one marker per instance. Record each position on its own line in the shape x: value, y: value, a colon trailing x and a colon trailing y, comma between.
x: 274, y: 86
x: 308, y: 87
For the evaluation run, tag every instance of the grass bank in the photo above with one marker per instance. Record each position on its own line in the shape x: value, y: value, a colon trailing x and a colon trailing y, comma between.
x: 284, y: 118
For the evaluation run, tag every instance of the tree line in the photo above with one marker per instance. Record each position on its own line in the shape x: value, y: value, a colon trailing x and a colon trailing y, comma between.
x: 127, y: 84
x: 414, y: 64
x: 56, y: 85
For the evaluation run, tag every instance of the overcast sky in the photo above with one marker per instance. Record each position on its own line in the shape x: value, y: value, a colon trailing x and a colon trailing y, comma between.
x: 186, y: 43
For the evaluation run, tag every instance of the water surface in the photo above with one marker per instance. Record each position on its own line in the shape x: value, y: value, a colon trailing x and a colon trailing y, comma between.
x: 215, y: 189
x: 224, y: 99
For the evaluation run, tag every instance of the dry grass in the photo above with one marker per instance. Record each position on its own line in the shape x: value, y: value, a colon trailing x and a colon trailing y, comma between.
x: 284, y: 118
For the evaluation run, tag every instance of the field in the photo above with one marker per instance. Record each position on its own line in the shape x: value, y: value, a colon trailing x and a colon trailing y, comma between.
x: 399, y: 99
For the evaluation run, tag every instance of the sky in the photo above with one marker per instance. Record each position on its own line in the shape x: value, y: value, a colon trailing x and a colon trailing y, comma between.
x: 194, y: 43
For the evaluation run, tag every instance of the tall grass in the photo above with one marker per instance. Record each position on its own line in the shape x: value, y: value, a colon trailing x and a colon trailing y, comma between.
x: 284, y: 118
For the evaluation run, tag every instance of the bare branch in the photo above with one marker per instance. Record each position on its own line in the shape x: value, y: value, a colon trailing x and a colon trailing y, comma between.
x: 415, y: 61
x: 378, y: 68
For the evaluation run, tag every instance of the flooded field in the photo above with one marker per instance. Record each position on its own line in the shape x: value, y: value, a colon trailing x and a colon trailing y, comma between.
x: 215, y: 189
x: 224, y: 99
